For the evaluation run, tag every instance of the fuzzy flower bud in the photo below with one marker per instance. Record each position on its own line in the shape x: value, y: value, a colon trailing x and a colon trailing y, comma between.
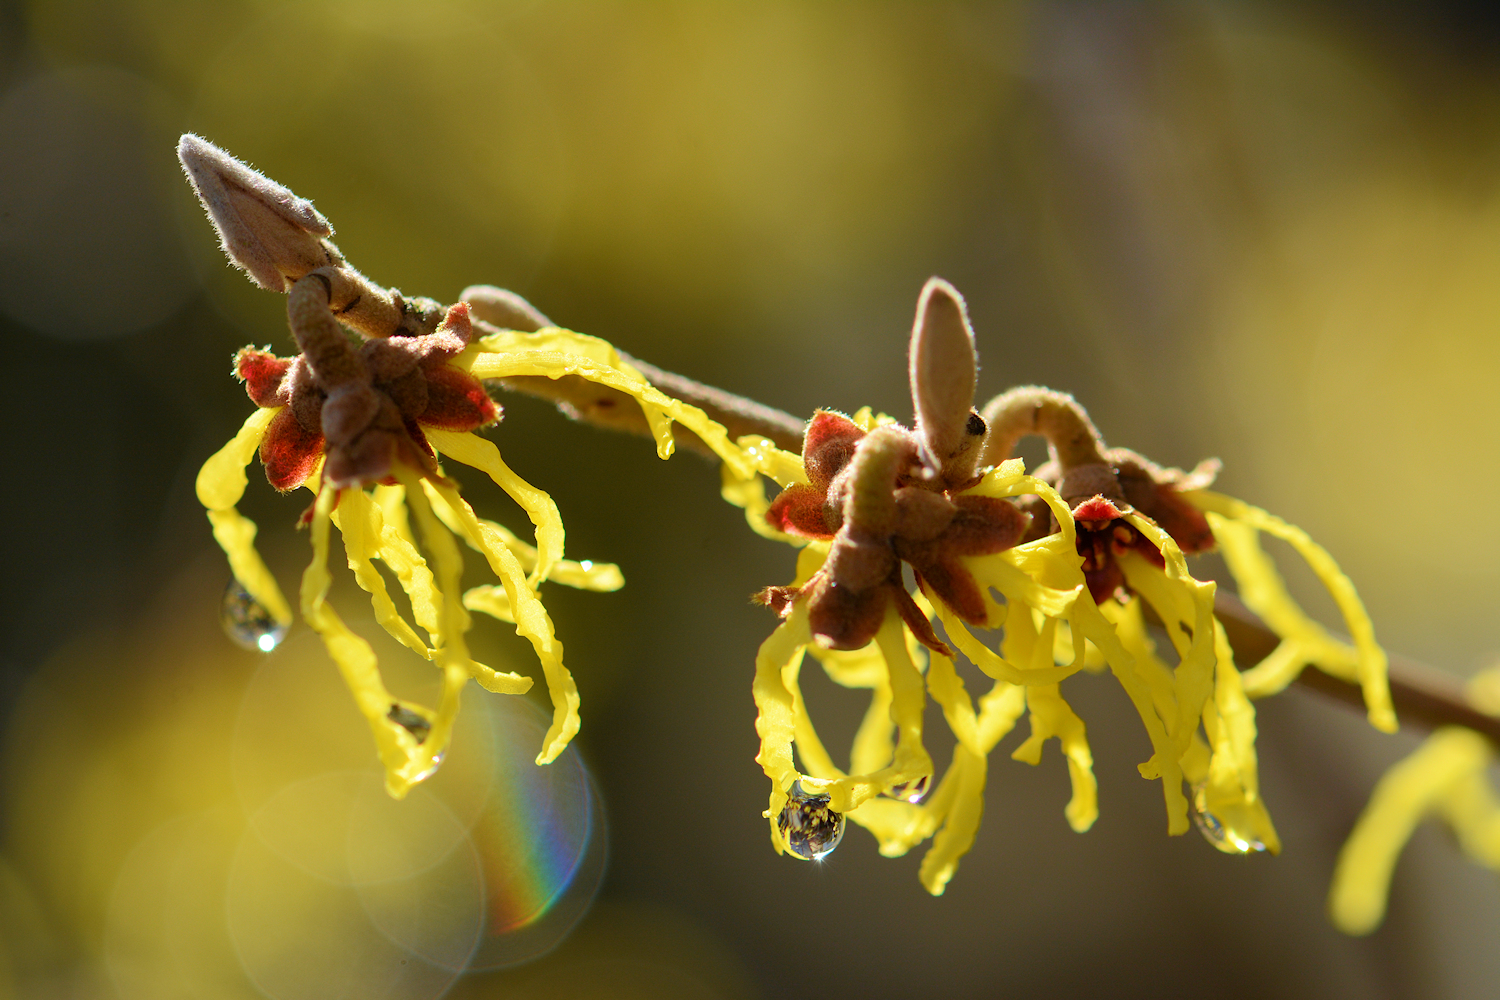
x: 267, y: 231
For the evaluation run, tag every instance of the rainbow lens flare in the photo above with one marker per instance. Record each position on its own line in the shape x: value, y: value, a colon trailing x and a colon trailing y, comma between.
x: 315, y: 883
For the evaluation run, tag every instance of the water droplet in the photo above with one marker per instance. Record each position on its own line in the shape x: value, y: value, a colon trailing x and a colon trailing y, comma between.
x: 587, y: 564
x: 437, y: 762
x: 910, y: 791
x: 1224, y: 836
x: 413, y: 723
x: 247, y: 621
x: 810, y: 829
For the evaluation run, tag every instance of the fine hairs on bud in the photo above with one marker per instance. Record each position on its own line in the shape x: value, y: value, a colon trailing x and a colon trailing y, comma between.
x: 943, y: 370
x: 265, y: 229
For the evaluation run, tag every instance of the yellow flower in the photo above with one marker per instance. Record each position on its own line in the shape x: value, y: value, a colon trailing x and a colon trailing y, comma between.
x: 1446, y: 776
x: 364, y: 429
x: 1104, y: 549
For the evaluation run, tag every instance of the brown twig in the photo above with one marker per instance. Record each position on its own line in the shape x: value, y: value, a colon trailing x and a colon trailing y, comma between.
x: 612, y: 409
x: 1422, y: 695
x: 280, y: 240
x: 499, y: 309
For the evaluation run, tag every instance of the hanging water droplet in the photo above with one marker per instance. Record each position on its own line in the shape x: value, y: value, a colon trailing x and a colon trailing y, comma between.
x: 420, y: 727
x: 1224, y: 836
x: 410, y: 721
x: 910, y: 791
x: 247, y: 621
x: 809, y: 828
x: 437, y: 762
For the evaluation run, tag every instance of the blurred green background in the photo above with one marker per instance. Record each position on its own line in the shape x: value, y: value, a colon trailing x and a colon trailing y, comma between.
x: 1265, y: 232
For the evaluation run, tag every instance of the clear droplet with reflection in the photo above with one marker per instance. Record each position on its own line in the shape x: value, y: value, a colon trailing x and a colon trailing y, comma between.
x: 247, y: 621
x: 1224, y: 835
x: 809, y: 828
x: 419, y: 726
x: 432, y: 768
x: 913, y: 791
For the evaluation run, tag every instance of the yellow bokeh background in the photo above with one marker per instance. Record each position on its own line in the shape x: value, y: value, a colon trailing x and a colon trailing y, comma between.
x: 1265, y: 232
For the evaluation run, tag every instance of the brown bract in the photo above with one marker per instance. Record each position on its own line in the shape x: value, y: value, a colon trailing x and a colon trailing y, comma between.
x: 930, y: 529
x: 1101, y: 485
x: 388, y: 389
x: 1127, y: 483
x: 894, y: 495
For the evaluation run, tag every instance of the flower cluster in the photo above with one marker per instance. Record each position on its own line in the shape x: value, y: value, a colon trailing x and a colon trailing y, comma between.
x: 1087, y: 557
x: 366, y: 428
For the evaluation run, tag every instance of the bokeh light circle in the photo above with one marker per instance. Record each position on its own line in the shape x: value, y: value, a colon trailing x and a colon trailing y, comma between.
x: 489, y: 863
x: 542, y: 841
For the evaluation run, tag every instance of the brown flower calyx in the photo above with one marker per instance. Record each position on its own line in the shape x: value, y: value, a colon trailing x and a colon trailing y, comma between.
x: 894, y: 495
x: 1101, y: 485
x: 361, y: 408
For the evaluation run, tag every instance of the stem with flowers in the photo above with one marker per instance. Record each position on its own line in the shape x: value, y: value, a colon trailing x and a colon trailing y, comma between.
x: 1087, y: 551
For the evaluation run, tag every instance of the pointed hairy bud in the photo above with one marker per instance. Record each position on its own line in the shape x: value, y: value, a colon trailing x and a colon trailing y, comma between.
x: 943, y: 371
x: 503, y: 308
x: 265, y: 230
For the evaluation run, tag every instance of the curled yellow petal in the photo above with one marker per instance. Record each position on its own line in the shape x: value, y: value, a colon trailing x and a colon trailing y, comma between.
x: 775, y: 720
x: 532, y: 620
x: 1230, y: 791
x: 1052, y: 716
x: 993, y: 664
x: 1090, y: 623
x: 1362, y: 877
x: 910, y: 760
x: 360, y: 522
x: 1263, y: 592
x: 475, y: 451
x: 864, y: 668
x: 453, y: 651
x: 1185, y: 606
x: 814, y: 756
x: 948, y: 691
x: 745, y: 490
x: 962, y: 822
x: 781, y: 467
x: 222, y: 481
x: 999, y: 711
x: 661, y: 410
x: 235, y: 534
x: 354, y: 657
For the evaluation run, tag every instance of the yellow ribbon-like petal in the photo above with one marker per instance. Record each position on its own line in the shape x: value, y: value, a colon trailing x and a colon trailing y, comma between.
x: 475, y: 451
x: 220, y: 485
x: 1264, y: 593
x: 1417, y: 785
x: 532, y: 620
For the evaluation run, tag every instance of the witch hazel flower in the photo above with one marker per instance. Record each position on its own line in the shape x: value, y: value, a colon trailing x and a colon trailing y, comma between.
x: 1071, y: 569
x: 365, y: 425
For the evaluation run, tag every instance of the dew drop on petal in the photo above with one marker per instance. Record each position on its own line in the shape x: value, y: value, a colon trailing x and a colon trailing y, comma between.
x: 809, y: 828
x: 413, y: 723
x: 437, y: 762
x: 1223, y: 836
x: 247, y: 621
x: 910, y: 791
